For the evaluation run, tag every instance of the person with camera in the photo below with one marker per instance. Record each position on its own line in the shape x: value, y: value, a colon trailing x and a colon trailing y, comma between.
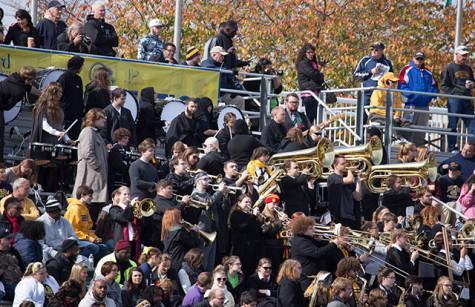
x: 51, y: 26
x: 73, y: 40
x: 264, y: 66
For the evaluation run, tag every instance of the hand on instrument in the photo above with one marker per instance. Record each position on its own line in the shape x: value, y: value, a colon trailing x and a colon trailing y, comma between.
x: 364, y: 257
x: 463, y: 251
x: 186, y: 199
x: 73, y: 142
x: 306, y: 171
x: 195, y: 228
x: 222, y: 187
x: 414, y: 256
x: 400, y: 219
x: 61, y: 135
x: 109, y: 146
x: 256, y: 210
x: 134, y: 200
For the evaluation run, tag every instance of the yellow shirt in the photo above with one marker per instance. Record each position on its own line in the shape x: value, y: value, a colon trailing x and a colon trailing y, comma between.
x: 29, y: 213
x: 79, y: 217
x: 378, y: 99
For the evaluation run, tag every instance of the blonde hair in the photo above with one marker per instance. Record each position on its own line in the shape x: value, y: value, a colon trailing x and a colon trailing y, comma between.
x: 33, y: 267
x: 288, y: 270
x: 404, y: 151
x: 75, y: 275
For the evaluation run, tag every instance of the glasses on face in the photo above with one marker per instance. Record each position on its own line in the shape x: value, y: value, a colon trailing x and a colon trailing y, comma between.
x: 293, y: 101
x: 220, y: 279
x: 420, y: 59
x: 195, y: 157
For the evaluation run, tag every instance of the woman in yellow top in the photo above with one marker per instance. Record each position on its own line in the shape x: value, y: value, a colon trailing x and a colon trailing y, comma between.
x: 258, y: 170
x: 378, y: 99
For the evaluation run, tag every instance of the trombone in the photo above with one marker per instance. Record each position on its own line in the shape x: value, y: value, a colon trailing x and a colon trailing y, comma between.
x: 217, y: 179
x: 193, y: 202
x: 231, y: 189
x: 208, y: 236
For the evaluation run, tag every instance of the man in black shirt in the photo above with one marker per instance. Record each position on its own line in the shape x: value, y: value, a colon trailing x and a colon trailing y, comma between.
x: 296, y: 189
x: 448, y: 188
x: 143, y: 175
x: 103, y: 36
x: 275, y: 131
x: 51, y: 26
x: 212, y: 161
x: 182, y: 181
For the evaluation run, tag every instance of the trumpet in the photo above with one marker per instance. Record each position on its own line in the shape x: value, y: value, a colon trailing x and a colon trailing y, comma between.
x: 193, y: 202
x: 208, y: 236
x: 283, y: 217
x: 217, y: 179
x: 231, y: 189
x: 143, y: 208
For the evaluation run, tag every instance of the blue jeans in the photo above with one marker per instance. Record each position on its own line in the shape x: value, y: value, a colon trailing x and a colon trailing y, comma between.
x: 462, y: 106
x: 97, y: 250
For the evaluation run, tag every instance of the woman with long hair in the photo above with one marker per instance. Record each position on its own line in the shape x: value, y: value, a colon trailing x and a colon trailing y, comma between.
x: 22, y: 30
x: 31, y: 287
x: 257, y: 167
x: 133, y: 288
x: 294, y: 140
x: 225, y: 134
x: 467, y: 197
x: 408, y: 153
x: 67, y: 296
x: 79, y: 273
x: 262, y: 280
x: 289, y: 292
x: 178, y: 240
x: 219, y: 282
x: 25, y: 169
x: 149, y: 261
x: 310, y: 78
x: 191, y: 156
x: 97, y: 93
x: 27, y: 242
x: 191, y: 267
x: 442, y: 295
x: 273, y: 241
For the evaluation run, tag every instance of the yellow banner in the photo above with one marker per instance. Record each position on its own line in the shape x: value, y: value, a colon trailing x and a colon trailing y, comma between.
x: 133, y: 75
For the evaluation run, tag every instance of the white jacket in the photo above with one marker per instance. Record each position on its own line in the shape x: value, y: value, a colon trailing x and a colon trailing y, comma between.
x: 29, y: 289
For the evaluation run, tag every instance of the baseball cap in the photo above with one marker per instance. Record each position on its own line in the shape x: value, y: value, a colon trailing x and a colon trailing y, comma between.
x: 55, y: 3
x: 218, y: 49
x: 155, y: 23
x: 390, y: 76
x: 419, y: 54
x: 377, y: 45
x: 454, y: 166
x: 461, y: 49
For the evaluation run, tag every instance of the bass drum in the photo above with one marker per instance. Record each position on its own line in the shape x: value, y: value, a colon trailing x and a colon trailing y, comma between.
x: 131, y: 103
x: 229, y: 109
x: 170, y: 111
x: 11, y: 114
x: 46, y: 76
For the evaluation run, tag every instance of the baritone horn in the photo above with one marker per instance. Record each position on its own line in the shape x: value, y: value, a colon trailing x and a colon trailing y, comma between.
x: 193, y: 202
x: 143, y: 208
x: 208, y: 236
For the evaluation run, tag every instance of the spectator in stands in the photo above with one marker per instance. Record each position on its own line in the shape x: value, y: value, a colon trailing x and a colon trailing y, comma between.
x: 264, y: 66
x: 21, y: 187
x: 51, y: 25
x: 467, y: 199
x: 132, y: 290
x: 262, y: 280
x: 109, y: 272
x: 212, y: 162
x: 72, y: 98
x: 215, y: 298
x: 227, y: 80
x: 118, y: 116
x: 149, y: 261
x: 192, y: 57
x: 97, y: 93
x: 67, y: 295
x: 97, y: 295
x: 31, y: 286
x: 27, y: 242
x: 416, y: 77
x: 274, y: 132
x: 342, y: 291
x: 293, y: 140
x: 235, y: 283
x: 290, y: 293
x: 121, y: 256
x: 102, y: 34
x: 195, y: 294
x: 92, y: 159
x: 310, y: 78
x: 10, y: 270
x: 294, y: 118
x: 2, y: 28
x: 5, y: 187
x: 466, y: 159
x: 143, y: 175
x: 11, y: 218
x: 458, y: 79
x: 25, y: 169
x: 148, y: 121
x: 219, y: 283
x: 378, y: 99
x: 22, y: 33
x: 167, y: 56
x: 12, y: 90
x: 371, y: 68
x: 242, y: 145
x: 248, y: 299
x: 225, y: 134
x: 79, y: 273
x: 72, y: 40
x: 60, y: 266
x: 79, y: 217
x: 191, y: 268
x: 151, y: 45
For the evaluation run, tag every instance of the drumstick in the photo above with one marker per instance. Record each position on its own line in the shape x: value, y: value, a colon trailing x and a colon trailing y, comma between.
x: 69, y: 128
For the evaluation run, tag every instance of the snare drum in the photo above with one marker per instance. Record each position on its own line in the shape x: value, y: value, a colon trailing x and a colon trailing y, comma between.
x: 131, y: 103
x: 229, y: 109
x: 65, y: 153
x: 170, y: 111
x: 11, y: 114
x: 42, y: 153
x: 46, y: 76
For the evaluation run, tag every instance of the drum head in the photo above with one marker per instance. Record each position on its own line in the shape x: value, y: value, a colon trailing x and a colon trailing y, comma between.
x: 131, y: 103
x: 228, y: 109
x: 170, y: 111
x: 45, y: 77
x: 11, y: 114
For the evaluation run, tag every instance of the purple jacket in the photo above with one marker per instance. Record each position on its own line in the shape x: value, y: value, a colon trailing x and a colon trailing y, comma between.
x: 193, y: 296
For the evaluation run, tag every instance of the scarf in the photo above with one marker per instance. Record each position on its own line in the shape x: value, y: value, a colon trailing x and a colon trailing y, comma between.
x: 15, y: 225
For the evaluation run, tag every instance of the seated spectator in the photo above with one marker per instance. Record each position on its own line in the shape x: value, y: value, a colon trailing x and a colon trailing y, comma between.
x: 60, y: 265
x: 97, y: 295
x: 51, y: 25
x: 192, y: 57
x: 170, y: 298
x: 191, y: 267
x: 466, y: 158
x: 290, y: 293
x: 11, y: 219
x: 121, y: 256
x: 378, y: 98
x: 216, y: 297
x: 467, y: 197
x: 151, y: 45
x: 21, y: 188
x: 149, y: 261
x: 20, y: 32
x: 79, y: 217
x: 133, y: 288
x: 195, y: 293
x: 219, y: 283
x: 67, y: 295
x: 10, y: 269
x: 164, y: 270
x: 25, y: 169
x: 247, y: 299
x: 154, y: 295
x: 72, y: 40
x: 57, y: 229
x: 294, y: 140
x: 275, y: 131
x: 31, y: 286
x: 79, y: 273
x: 109, y: 272
x: 262, y: 280
x: 5, y: 186
x: 235, y: 283
x: 27, y: 242
x: 212, y: 162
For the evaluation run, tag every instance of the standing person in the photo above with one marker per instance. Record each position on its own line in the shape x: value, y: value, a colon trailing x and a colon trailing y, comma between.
x: 458, y: 79
x: 118, y: 116
x: 23, y: 31
x: 102, y: 34
x: 92, y: 157
x: 151, y: 45
x: 51, y: 26
x: 72, y: 98
x: 289, y: 292
x: 296, y: 187
x: 379, y: 99
x: 143, y: 175
x: 294, y: 118
x: 397, y: 255
x: 275, y: 131
x: 242, y: 145
x: 97, y: 93
x: 466, y: 159
x: 148, y: 121
x: 371, y: 68
x: 310, y: 78
x: 416, y: 77
x: 118, y: 159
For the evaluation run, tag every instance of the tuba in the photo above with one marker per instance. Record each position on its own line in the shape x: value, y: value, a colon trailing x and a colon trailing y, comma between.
x: 143, y: 208
x: 315, y: 158
x: 423, y: 170
x: 468, y: 231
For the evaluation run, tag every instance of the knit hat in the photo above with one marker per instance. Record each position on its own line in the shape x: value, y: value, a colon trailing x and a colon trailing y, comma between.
x: 271, y: 197
x: 75, y: 63
x: 121, y: 245
x: 201, y: 175
x: 191, y: 53
x: 52, y: 204
x: 68, y: 243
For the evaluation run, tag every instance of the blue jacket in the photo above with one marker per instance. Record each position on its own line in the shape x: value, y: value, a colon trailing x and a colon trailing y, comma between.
x: 30, y: 250
x: 226, y: 80
x: 363, y: 71
x: 412, y: 78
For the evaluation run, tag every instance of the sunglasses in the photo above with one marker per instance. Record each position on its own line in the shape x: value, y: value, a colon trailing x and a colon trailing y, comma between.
x: 420, y: 59
x: 221, y: 279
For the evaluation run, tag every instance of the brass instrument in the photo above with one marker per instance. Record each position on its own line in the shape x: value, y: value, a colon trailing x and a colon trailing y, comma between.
x: 208, y: 236
x: 283, y: 217
x: 193, y: 202
x: 272, y: 181
x: 467, y: 232
x: 231, y: 189
x: 315, y: 158
x: 401, y: 302
x: 143, y: 208
x: 423, y: 170
x: 217, y: 179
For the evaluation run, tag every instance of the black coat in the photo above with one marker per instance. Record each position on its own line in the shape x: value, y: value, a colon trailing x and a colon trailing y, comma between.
x: 224, y: 136
x: 95, y: 97
x: 118, y: 167
x: 19, y: 38
x: 12, y: 90
x: 272, y: 135
x: 72, y: 99
x: 308, y: 78
x: 48, y: 31
x: 401, y: 260
x: 305, y: 125
x: 64, y: 44
x: 311, y: 254
x: 6, y: 224
x: 295, y: 194
x: 178, y: 242
x: 254, y: 282
x: 148, y: 122
x: 59, y: 267
x: 397, y: 201
x: 290, y: 294
x: 103, y: 36
x: 120, y: 218
x: 182, y: 185
x: 286, y: 145
x: 240, y: 148
x: 115, y: 121
x: 187, y: 130
x: 212, y: 163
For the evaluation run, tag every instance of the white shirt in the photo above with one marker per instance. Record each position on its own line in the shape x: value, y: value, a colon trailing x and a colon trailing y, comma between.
x: 55, y: 233
x: 49, y: 129
x: 464, y: 264
x: 29, y: 289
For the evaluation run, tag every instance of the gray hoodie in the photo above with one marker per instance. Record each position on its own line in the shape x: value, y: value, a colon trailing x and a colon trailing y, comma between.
x: 89, y: 299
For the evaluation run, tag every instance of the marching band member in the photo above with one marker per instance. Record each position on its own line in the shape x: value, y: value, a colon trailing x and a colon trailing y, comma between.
x: 289, y: 292
x: 192, y: 157
x: 242, y: 145
x: 398, y: 256
x: 118, y: 164
x: 387, y: 279
x: 273, y: 225
x: 262, y: 280
x: 443, y: 295
x: 233, y: 178
x: 376, y: 261
x: 178, y: 149
x: 143, y: 176
x: 414, y: 292
x: 296, y: 189
x: 257, y: 168
x: 181, y: 180
x: 464, y: 263
x: 246, y: 233
x: 349, y: 268
x: 397, y: 198
x: 342, y: 290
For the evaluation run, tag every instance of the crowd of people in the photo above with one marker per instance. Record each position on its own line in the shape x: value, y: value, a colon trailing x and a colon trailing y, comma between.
x: 217, y: 221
